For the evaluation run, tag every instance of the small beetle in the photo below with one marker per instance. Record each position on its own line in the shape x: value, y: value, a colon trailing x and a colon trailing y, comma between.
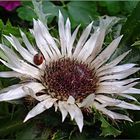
x: 38, y: 59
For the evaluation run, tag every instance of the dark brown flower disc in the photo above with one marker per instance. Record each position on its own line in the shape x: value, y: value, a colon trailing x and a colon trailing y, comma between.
x: 67, y: 77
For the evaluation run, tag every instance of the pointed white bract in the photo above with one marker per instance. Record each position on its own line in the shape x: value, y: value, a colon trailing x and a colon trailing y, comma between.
x: 82, y: 40
x: 106, y: 54
x: 111, y: 114
x: 112, y: 78
x: 74, y: 112
x: 18, y: 92
x: 28, y: 44
x: 9, y: 74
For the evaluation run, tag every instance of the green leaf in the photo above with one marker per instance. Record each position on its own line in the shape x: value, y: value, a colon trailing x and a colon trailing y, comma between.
x: 9, y: 127
x: 10, y: 119
x: 46, y: 11
x: 46, y: 134
x: 82, y: 12
x: 131, y: 32
x: 113, y: 7
x: 50, y: 10
x: 131, y: 28
x: 10, y: 122
x: 29, y: 132
x: 8, y: 29
x: 129, y: 6
x: 132, y: 131
x: 39, y: 11
x: 59, y: 135
x: 108, y: 129
x: 26, y: 12
x: 1, y: 28
x: 116, y: 7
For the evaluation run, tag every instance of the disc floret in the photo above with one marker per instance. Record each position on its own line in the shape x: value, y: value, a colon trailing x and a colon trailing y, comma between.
x: 66, y: 77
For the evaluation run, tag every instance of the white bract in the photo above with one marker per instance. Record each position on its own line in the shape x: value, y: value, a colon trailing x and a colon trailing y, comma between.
x: 109, y: 84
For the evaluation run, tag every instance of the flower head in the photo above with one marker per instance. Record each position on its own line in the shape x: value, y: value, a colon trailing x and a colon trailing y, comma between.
x: 68, y: 74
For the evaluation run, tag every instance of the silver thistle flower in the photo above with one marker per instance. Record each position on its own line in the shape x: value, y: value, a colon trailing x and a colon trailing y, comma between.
x: 70, y: 75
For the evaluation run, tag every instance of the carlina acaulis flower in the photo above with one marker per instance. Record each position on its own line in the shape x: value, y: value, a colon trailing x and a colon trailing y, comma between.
x: 68, y: 74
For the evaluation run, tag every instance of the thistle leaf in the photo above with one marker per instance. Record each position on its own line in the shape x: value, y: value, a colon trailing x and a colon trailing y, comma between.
x: 108, y: 129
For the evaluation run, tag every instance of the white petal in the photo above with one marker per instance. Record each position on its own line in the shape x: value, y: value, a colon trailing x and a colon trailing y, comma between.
x: 71, y: 109
x: 114, y: 62
x: 121, y: 75
x: 55, y: 106
x: 88, y: 47
x: 118, y: 83
x: 106, y: 53
x: 63, y: 111
x: 13, y: 94
x: 32, y: 92
x: 49, y: 39
x: 76, y: 114
x: 12, y: 57
x: 28, y: 44
x: 18, y: 92
x: 68, y: 29
x: 9, y: 88
x: 71, y: 42
x: 98, y: 45
x: 9, y: 74
x: 71, y: 100
x: 39, y: 108
x: 62, y: 34
x: 127, y: 96
x: 24, y: 53
x: 115, y: 102
x: 43, y: 46
x: 128, y: 106
x: 78, y: 118
x: 87, y: 101
x: 17, y: 64
x: 50, y: 102
x: 132, y: 91
x: 111, y: 114
x: 41, y: 42
x: 35, y: 86
x: 24, y: 69
x: 68, y: 34
x: 82, y: 39
x: 114, y: 88
x: 116, y: 69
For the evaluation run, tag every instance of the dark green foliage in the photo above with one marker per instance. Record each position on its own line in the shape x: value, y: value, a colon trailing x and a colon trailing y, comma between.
x: 82, y: 12
x: 27, y: 11
x: 114, y: 8
x: 108, y: 129
x: 48, y: 125
x: 131, y: 28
